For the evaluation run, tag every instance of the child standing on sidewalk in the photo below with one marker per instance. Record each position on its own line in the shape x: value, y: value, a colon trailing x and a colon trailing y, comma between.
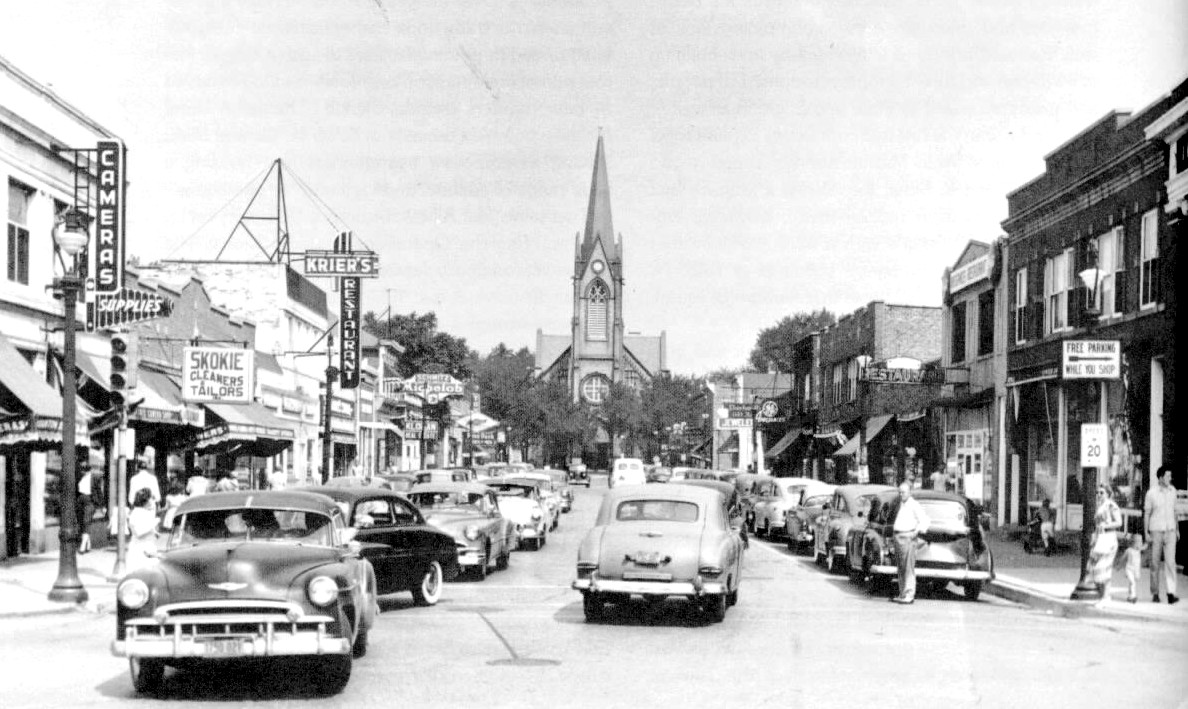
x: 1134, y: 566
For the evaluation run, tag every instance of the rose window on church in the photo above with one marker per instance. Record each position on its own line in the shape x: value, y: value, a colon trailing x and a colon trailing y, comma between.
x: 596, y: 311
x: 595, y: 388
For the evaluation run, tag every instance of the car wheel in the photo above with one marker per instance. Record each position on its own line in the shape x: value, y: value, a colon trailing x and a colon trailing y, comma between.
x: 715, y: 607
x: 972, y: 589
x: 148, y: 675
x: 732, y: 597
x: 336, y: 672
x: 592, y: 606
x: 834, y: 562
x: 504, y: 558
x: 856, y: 575
x: 480, y: 570
x: 429, y: 592
x: 818, y: 557
x: 766, y: 529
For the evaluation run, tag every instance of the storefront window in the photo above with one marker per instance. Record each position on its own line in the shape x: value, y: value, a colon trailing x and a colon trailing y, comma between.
x: 1041, y: 407
x: 53, y: 484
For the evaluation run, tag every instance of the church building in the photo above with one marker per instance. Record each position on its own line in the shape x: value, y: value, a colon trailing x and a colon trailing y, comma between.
x: 597, y: 350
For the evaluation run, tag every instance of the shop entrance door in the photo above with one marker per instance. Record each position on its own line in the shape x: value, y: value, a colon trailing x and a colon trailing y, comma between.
x: 16, y: 505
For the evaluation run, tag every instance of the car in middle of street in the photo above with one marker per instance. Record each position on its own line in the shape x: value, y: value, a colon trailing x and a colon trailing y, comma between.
x: 470, y: 514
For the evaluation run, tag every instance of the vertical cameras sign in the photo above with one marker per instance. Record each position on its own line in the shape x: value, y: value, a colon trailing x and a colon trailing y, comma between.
x: 349, y: 322
x: 109, y: 217
x: 218, y: 374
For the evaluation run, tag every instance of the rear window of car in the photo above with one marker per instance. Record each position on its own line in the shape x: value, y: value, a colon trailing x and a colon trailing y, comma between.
x: 815, y: 501
x: 430, y: 500
x: 943, y: 511
x: 656, y: 511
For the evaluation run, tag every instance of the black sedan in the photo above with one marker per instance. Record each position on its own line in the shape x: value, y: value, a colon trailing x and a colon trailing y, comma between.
x: 408, y: 554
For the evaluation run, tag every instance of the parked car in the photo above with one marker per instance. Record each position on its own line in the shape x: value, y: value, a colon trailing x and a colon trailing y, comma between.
x: 251, y: 574
x: 444, y: 475
x: 469, y: 513
x: 520, y: 502
x: 407, y: 553
x: 627, y: 471
x: 657, y: 541
x: 730, y: 498
x: 849, y: 503
x: 358, y: 481
x: 681, y: 472
x: 799, y: 521
x: 954, y: 548
x: 399, y: 482
x: 561, y: 485
x: 659, y: 474
x: 773, y: 499
x: 748, y: 485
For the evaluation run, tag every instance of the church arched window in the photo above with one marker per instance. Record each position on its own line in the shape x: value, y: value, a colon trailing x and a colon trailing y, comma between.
x: 595, y: 388
x: 596, y: 299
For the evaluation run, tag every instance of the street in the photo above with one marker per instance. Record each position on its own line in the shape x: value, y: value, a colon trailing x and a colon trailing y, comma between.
x: 798, y: 637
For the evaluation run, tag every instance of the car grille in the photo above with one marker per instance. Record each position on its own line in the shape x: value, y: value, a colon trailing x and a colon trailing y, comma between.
x: 227, y: 618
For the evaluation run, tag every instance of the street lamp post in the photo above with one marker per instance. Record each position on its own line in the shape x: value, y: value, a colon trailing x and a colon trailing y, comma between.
x: 71, y: 236
x: 1085, y: 589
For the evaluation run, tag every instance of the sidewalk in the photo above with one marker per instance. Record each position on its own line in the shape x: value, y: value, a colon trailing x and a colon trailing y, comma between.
x: 25, y: 583
x: 1045, y: 583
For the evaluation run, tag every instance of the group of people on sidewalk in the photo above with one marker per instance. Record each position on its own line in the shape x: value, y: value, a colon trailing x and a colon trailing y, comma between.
x: 1159, y: 522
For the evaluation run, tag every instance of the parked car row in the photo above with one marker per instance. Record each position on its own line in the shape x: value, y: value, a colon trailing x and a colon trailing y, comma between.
x: 298, y: 572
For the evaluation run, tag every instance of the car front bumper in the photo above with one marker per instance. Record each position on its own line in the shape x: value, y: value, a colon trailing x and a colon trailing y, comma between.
x: 929, y: 573
x: 471, y: 557
x: 231, y: 634
x: 694, y: 589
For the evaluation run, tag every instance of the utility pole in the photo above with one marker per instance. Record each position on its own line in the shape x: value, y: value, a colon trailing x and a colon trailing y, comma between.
x: 327, y: 409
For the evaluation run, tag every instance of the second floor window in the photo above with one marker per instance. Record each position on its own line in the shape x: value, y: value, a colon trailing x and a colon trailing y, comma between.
x: 1149, y: 260
x: 957, y: 316
x: 1021, y: 305
x: 986, y: 323
x: 1057, y: 283
x: 1110, y: 294
x: 19, y: 197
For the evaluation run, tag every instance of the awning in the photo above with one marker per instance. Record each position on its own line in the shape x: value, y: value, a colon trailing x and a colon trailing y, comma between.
x: 704, y: 445
x: 342, y: 438
x: 875, y: 425
x: 783, y: 444
x: 246, y: 429
x: 850, y: 447
x: 382, y: 426
x: 160, y: 404
x: 41, y: 426
x: 730, y: 445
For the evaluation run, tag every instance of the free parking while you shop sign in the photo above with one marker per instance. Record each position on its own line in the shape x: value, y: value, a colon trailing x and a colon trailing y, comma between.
x: 1092, y: 359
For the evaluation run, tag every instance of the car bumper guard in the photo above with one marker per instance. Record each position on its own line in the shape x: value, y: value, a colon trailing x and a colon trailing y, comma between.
x: 927, y: 573
x: 694, y: 589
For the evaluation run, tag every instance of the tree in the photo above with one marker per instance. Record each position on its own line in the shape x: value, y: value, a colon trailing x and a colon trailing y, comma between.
x: 773, y: 348
x: 426, y: 348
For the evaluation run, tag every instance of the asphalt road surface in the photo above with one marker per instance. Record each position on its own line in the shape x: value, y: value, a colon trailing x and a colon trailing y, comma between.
x: 799, y: 637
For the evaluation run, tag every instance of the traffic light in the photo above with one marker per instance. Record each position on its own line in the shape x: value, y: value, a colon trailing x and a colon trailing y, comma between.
x: 125, y: 355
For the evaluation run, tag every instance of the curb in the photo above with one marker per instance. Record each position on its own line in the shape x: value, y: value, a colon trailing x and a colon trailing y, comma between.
x: 1017, y: 592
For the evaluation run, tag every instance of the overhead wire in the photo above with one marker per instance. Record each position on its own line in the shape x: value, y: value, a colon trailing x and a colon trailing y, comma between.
x: 219, y: 211
x: 322, y: 205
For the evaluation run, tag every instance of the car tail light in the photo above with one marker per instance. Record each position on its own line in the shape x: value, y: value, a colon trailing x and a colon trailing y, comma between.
x: 322, y: 590
x: 133, y: 593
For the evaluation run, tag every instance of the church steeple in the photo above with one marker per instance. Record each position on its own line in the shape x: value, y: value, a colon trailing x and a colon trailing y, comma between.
x: 598, y: 215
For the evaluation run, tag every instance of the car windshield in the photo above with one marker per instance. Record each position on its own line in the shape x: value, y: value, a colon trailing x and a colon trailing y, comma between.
x: 513, y: 491
x: 656, y: 511
x: 944, y: 512
x: 815, y: 500
x: 439, y: 500
x: 273, y: 525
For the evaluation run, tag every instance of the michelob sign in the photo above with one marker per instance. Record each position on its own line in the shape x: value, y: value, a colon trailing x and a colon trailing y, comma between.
x: 219, y: 374
x: 109, y: 217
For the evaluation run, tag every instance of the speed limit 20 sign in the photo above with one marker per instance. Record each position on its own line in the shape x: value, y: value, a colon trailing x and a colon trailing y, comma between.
x: 1095, y: 445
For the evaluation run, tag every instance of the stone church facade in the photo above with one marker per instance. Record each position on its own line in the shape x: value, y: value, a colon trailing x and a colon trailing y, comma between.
x: 597, y: 351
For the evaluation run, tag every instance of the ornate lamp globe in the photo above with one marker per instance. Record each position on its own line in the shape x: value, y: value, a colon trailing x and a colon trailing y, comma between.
x: 71, y: 235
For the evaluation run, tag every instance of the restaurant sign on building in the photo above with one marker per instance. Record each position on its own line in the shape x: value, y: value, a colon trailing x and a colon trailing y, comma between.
x: 218, y: 374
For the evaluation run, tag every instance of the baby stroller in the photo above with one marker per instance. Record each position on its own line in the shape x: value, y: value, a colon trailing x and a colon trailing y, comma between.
x: 1033, y: 542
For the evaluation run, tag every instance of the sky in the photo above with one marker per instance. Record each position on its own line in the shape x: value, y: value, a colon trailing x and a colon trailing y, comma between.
x: 764, y: 157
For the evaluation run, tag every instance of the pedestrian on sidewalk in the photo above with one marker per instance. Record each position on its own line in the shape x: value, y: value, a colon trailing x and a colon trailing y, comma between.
x: 1134, y: 566
x: 910, y: 522
x: 142, y: 524
x: 85, y: 507
x: 1159, y: 519
x: 1107, y: 521
x: 1047, y: 518
x: 144, y: 479
x: 198, y: 484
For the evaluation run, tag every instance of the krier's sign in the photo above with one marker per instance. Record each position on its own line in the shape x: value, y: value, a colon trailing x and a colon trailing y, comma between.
x: 218, y: 374
x: 356, y: 264
x: 109, y: 218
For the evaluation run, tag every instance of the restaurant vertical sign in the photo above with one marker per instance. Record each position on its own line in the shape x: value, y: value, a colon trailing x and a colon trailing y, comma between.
x: 349, y: 314
x: 109, y: 217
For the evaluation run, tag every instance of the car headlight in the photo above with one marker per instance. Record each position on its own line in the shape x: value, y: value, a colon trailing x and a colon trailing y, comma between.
x: 471, y: 532
x: 322, y: 590
x: 133, y: 593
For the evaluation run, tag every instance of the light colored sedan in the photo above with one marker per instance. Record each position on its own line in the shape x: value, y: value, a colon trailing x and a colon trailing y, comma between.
x: 774, y: 498
x: 470, y: 513
x: 521, y: 503
x: 657, y: 541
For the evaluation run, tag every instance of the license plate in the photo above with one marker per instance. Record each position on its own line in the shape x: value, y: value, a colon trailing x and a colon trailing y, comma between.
x: 648, y: 558
x: 223, y: 647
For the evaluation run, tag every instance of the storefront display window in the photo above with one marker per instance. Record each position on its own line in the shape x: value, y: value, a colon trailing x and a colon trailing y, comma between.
x: 1043, y: 402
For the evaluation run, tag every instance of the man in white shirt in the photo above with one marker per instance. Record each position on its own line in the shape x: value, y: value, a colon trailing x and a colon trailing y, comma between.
x: 1163, y: 531
x: 144, y: 478
x: 910, y: 522
x: 198, y: 484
